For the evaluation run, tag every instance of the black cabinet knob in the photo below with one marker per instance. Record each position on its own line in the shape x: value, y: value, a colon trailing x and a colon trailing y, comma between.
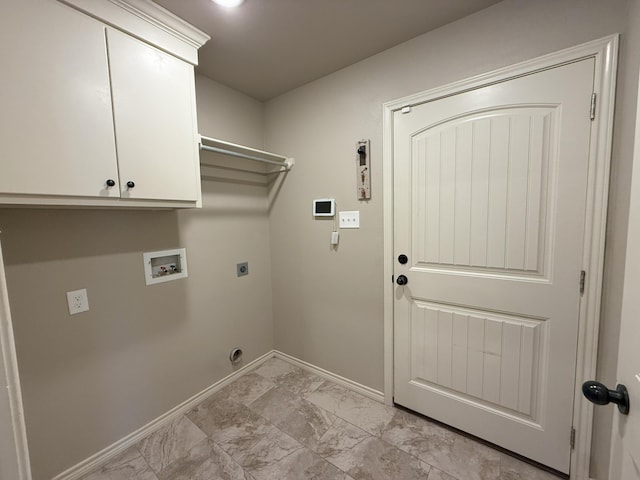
x: 403, y: 259
x: 402, y: 280
x: 130, y: 184
x: 111, y: 183
x: 597, y: 393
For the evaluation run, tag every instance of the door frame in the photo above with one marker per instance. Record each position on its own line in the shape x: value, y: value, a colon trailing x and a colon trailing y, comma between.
x: 621, y: 431
x: 12, y: 412
x: 605, y: 53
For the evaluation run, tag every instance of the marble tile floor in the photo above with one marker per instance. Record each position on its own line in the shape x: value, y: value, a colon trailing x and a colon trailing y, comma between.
x: 280, y: 422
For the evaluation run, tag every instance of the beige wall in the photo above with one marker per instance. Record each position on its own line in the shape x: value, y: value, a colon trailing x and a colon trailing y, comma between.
x: 90, y: 379
x: 328, y: 303
x: 229, y: 115
x: 618, y: 214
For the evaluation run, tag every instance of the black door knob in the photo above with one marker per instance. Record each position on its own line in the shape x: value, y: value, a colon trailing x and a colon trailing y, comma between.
x: 403, y: 259
x: 111, y: 183
x: 130, y: 184
x: 402, y: 280
x: 597, y: 393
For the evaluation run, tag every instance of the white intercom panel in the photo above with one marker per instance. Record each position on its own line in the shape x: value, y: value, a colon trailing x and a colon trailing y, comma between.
x: 324, y: 207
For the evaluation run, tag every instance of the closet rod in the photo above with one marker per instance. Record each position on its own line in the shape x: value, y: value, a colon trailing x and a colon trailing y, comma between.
x: 284, y: 165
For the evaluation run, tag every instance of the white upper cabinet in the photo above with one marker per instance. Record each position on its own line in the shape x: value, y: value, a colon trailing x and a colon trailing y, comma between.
x: 56, y: 124
x: 153, y: 105
x: 92, y: 116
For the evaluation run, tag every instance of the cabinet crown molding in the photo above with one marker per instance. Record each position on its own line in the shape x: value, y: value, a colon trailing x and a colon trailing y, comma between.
x: 165, y: 20
x: 149, y: 22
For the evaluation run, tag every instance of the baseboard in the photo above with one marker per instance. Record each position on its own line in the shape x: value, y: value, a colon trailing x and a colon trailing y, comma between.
x: 376, y: 395
x: 121, y: 445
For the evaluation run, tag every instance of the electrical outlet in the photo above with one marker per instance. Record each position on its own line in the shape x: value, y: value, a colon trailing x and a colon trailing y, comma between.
x: 78, y: 301
x: 242, y: 269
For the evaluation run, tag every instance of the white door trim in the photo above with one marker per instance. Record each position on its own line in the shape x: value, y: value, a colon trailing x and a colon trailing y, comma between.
x: 605, y: 53
x: 16, y: 460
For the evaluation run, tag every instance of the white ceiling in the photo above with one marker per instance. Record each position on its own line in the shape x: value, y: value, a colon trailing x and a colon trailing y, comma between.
x: 267, y: 47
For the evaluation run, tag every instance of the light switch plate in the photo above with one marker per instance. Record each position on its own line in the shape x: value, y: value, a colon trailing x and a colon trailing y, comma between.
x: 78, y: 301
x: 350, y: 219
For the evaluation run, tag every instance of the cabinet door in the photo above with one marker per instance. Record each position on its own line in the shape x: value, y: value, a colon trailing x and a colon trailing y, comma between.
x: 56, y: 124
x: 154, y: 115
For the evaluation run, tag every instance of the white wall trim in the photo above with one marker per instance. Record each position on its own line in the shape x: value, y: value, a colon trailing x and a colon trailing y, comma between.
x: 388, y: 260
x: 121, y: 445
x: 606, y: 57
x: 19, y: 459
x: 369, y: 392
x: 605, y: 53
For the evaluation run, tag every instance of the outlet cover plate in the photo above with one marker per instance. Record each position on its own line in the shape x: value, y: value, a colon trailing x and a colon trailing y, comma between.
x: 350, y: 219
x: 243, y: 269
x: 78, y: 301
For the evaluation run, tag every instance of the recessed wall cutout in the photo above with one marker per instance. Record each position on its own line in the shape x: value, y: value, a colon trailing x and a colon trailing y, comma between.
x: 235, y: 355
x: 165, y: 265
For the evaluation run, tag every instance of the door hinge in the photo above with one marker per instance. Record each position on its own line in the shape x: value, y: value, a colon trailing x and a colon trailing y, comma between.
x: 592, y: 110
x: 583, y: 276
x: 406, y: 109
x: 572, y: 439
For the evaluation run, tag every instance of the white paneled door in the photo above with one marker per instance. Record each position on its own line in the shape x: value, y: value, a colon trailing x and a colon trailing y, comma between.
x: 489, y: 209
